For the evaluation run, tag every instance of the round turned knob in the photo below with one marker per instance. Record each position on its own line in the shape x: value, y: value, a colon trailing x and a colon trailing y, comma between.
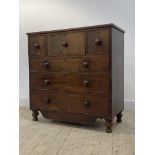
x: 47, y: 82
x: 86, y: 103
x: 47, y: 100
x: 98, y: 41
x: 85, y: 64
x: 37, y: 46
x: 64, y: 44
x: 86, y: 83
x: 46, y: 64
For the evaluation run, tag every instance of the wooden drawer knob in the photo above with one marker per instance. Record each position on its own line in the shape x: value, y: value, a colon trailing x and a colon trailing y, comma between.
x: 86, y: 83
x: 85, y: 64
x: 47, y: 100
x: 47, y: 82
x: 98, y: 42
x: 37, y: 46
x: 86, y: 103
x: 64, y: 44
x: 46, y: 64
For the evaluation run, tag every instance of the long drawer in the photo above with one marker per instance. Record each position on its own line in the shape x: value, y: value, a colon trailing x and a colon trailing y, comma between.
x: 70, y: 102
x: 71, y: 64
x: 71, y: 82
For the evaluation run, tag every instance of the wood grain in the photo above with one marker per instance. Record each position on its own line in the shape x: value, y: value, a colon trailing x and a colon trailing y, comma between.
x: 71, y: 64
x: 75, y: 42
x: 67, y: 67
x: 71, y: 102
x: 74, y: 82
x: 102, y: 35
x: 37, y: 46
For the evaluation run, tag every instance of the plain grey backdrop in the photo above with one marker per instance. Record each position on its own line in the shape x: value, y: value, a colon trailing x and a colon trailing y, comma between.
x: 39, y: 15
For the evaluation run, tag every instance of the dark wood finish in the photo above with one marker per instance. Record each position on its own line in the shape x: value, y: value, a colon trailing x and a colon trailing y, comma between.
x: 66, y: 44
x: 80, y: 28
x: 35, y: 115
x: 119, y: 117
x: 117, y: 68
x: 87, y: 64
x: 98, y: 41
x: 77, y: 75
x: 94, y: 104
x: 69, y: 117
x: 37, y: 46
x: 71, y: 82
x: 108, y: 124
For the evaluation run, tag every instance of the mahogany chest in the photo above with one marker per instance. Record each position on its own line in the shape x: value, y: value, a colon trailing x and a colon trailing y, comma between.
x: 77, y: 75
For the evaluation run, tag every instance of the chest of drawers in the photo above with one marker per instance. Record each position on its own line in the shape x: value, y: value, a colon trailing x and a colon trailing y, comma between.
x: 77, y: 75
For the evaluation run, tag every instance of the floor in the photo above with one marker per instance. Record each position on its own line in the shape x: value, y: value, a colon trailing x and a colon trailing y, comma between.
x: 46, y: 137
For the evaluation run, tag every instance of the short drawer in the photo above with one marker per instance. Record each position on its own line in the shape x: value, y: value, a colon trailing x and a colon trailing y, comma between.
x: 66, y: 44
x: 75, y: 64
x: 37, y: 46
x: 70, y: 102
x: 71, y: 82
x: 98, y: 41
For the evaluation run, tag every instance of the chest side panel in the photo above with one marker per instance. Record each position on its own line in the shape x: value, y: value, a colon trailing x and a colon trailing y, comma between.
x: 117, y: 71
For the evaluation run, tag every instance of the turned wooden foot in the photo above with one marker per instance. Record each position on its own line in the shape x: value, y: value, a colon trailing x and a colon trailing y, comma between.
x: 108, y: 124
x: 35, y: 114
x: 119, y: 117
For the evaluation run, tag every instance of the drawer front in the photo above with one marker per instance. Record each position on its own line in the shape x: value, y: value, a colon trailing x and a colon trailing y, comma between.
x: 66, y: 44
x: 70, y: 102
x: 98, y: 41
x: 84, y: 64
x: 75, y: 83
x: 37, y: 46
x: 48, y: 65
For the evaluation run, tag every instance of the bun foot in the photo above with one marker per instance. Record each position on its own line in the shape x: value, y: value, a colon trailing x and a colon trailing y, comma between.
x: 109, y: 130
x: 35, y: 114
x: 119, y: 117
x: 108, y: 124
